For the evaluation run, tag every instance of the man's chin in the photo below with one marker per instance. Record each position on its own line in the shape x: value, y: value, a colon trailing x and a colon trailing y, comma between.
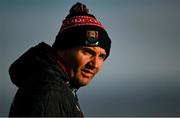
x: 81, y: 82
x: 84, y: 82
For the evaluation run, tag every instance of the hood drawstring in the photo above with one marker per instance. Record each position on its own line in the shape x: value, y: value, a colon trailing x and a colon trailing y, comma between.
x: 75, y: 94
x: 76, y: 97
x: 74, y: 90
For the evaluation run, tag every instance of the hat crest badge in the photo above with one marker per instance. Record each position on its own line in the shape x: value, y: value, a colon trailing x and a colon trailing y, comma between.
x: 91, y: 38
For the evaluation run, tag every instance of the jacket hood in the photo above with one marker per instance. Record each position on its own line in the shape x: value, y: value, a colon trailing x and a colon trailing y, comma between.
x: 36, y: 67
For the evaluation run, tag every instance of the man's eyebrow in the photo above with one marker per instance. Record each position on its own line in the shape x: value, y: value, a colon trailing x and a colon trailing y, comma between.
x: 104, y: 54
x: 88, y: 49
x: 92, y: 51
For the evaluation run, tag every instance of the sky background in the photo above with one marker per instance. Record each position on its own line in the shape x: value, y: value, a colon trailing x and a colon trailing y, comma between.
x: 141, y: 77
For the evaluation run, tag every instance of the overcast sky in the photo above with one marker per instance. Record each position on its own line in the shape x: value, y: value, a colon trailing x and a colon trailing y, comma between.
x: 141, y: 77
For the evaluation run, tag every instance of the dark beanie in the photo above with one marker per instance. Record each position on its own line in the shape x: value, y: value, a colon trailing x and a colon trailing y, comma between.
x: 80, y: 28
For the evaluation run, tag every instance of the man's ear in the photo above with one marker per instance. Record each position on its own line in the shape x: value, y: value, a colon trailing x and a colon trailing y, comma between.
x: 61, y: 53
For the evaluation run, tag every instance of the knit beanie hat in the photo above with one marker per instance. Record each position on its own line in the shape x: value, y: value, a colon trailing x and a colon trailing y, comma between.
x: 80, y: 28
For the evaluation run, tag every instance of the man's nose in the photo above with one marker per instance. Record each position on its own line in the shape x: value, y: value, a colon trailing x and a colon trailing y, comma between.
x: 95, y: 62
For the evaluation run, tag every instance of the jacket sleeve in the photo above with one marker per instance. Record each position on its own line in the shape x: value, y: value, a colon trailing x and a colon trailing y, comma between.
x: 40, y: 104
x: 52, y: 103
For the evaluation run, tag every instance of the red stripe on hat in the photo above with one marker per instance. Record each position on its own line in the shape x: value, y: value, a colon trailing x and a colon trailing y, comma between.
x: 80, y: 21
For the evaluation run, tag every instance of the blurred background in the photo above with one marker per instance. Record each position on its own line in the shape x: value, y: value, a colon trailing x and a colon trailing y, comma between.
x: 141, y: 77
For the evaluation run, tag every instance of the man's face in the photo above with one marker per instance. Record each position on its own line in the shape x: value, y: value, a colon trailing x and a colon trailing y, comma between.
x: 83, y: 63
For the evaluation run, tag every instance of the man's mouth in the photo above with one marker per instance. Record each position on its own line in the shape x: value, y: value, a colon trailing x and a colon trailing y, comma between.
x: 87, y: 72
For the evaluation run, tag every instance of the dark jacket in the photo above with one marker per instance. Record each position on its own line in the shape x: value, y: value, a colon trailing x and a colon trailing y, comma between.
x: 43, y: 88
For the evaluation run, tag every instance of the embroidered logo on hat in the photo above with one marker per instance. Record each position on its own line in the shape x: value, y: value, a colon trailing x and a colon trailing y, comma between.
x: 92, y: 38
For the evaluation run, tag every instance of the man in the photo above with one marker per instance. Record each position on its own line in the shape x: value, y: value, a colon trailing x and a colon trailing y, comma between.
x: 48, y: 77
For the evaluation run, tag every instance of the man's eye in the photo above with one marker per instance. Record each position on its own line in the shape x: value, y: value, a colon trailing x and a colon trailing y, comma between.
x: 102, y: 56
x: 87, y: 52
